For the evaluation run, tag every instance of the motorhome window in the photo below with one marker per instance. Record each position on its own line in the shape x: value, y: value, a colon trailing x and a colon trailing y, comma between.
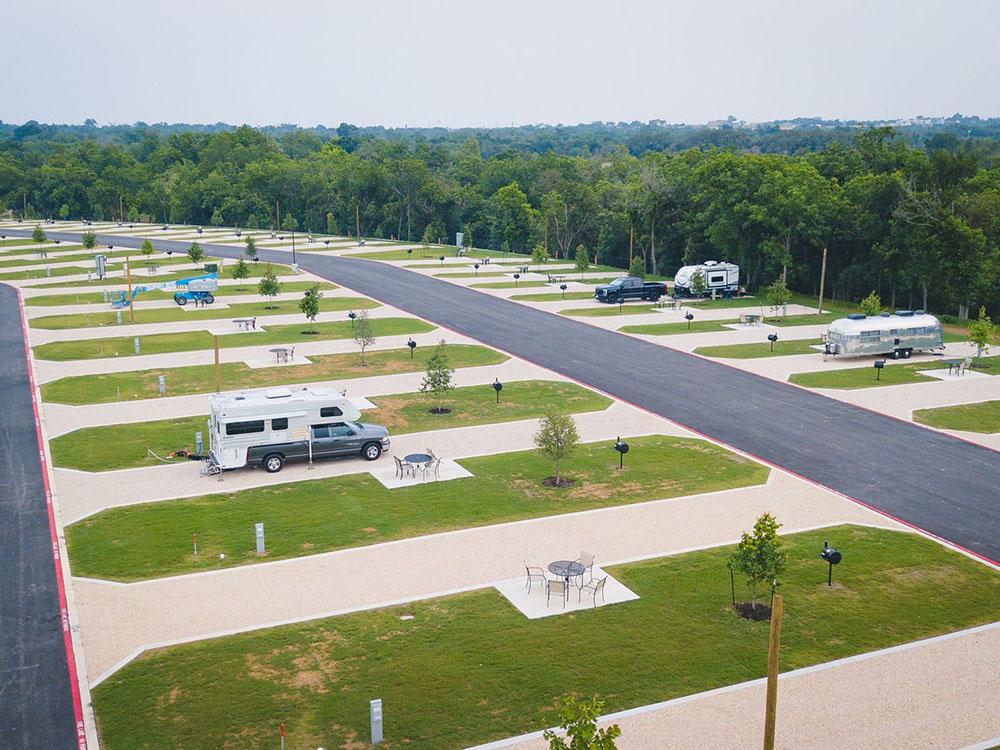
x: 340, y: 430
x: 279, y: 424
x: 716, y: 279
x: 870, y: 335
x: 245, y: 428
x: 331, y: 411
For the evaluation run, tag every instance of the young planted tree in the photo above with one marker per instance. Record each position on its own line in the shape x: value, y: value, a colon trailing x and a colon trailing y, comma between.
x: 438, y: 379
x: 241, y: 271
x: 981, y: 332
x: 871, y: 305
x: 89, y: 240
x: 309, y: 304
x: 538, y: 254
x: 778, y: 295
x: 759, y: 556
x: 637, y: 267
x: 364, y: 334
x: 195, y: 253
x: 556, y: 439
x: 698, y: 283
x: 251, y: 251
x: 578, y: 720
x: 147, y: 247
x: 289, y: 223
x: 428, y: 238
x: 582, y: 261
x: 38, y: 234
x: 331, y: 224
x: 269, y: 286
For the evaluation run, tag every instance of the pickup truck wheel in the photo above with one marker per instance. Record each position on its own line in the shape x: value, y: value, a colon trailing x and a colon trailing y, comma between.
x: 181, y: 300
x: 273, y: 463
x: 654, y: 298
x: 209, y: 298
x: 371, y: 451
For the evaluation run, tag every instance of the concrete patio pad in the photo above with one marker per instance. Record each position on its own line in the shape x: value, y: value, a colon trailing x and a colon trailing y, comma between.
x: 390, y: 479
x: 535, y: 605
x: 261, y: 364
x: 943, y: 374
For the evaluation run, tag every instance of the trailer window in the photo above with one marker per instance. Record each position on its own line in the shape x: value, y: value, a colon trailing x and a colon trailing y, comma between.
x: 870, y: 335
x: 279, y: 424
x: 245, y: 428
x: 716, y: 279
x: 331, y: 411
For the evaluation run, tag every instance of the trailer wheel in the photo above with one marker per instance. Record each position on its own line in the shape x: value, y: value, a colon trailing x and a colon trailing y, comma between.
x: 907, y: 353
x: 181, y: 300
x: 209, y: 298
x: 371, y: 451
x: 273, y: 463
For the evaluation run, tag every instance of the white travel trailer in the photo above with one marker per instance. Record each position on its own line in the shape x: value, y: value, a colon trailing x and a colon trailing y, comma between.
x: 721, y: 279
x: 245, y: 420
x: 896, y: 335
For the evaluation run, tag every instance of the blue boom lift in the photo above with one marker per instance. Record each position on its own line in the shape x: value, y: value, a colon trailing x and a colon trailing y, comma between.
x: 197, y: 288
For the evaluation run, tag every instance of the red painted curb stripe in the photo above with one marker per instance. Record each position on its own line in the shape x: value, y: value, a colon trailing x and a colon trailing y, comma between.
x: 81, y: 732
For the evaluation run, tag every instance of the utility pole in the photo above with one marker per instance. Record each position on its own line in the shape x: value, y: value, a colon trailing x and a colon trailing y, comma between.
x: 773, y: 645
x: 822, y: 281
x: 357, y: 222
x: 131, y: 299
x: 277, y: 217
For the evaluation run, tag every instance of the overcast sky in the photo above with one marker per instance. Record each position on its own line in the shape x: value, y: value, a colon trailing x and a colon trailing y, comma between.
x: 462, y: 62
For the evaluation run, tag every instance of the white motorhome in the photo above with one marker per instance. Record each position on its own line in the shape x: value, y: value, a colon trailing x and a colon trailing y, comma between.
x: 250, y: 419
x: 720, y: 279
x: 896, y: 335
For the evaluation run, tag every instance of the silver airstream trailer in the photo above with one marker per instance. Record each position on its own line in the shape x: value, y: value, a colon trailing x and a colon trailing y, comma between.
x: 896, y: 335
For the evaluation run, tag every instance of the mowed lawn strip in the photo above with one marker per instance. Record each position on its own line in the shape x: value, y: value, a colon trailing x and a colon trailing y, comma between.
x: 431, y: 254
x: 551, y: 296
x: 508, y: 284
x: 124, y: 446
x: 669, y: 329
x: 761, y: 349
x: 446, y: 675
x: 160, y: 343
x: 892, y: 374
x: 182, y: 381
x: 600, y: 310
x: 980, y: 417
x: 97, y: 298
x: 256, y: 272
x: 306, y: 518
x: 211, y: 312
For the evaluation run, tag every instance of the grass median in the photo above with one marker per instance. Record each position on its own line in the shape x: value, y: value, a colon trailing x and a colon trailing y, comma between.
x: 508, y: 285
x: 446, y: 672
x: 603, y: 310
x: 432, y: 253
x: 761, y: 349
x: 892, y: 374
x: 670, y: 329
x: 97, y: 298
x: 306, y: 518
x: 145, y: 316
x: 256, y: 271
x: 161, y: 343
x: 184, y: 381
x: 126, y: 446
x: 551, y: 297
x: 981, y: 417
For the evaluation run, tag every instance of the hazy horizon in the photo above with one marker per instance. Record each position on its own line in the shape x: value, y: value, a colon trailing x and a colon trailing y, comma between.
x: 403, y: 64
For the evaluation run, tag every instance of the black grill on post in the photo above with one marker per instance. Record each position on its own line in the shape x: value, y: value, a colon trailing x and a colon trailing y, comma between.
x: 832, y: 557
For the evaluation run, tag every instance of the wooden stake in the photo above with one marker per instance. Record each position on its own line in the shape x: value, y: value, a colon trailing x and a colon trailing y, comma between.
x: 218, y: 375
x: 772, y: 671
x: 131, y: 299
x: 822, y: 281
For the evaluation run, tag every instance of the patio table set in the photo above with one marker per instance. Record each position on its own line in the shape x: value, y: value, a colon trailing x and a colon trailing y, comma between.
x: 426, y: 464
x: 568, y: 574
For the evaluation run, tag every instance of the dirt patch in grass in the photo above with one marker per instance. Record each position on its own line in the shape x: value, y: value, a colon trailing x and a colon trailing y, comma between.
x: 760, y: 613
x: 560, y: 482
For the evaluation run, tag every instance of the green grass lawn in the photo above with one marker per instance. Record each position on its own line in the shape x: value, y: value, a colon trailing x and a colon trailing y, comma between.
x: 669, y: 329
x: 754, y: 303
x: 892, y: 374
x: 43, y: 273
x: 551, y: 297
x: 760, y: 349
x: 982, y: 417
x: 256, y: 271
x: 601, y: 310
x: 212, y: 312
x: 123, y: 446
x: 22, y: 258
x: 811, y: 319
x: 469, y: 668
x: 33, y: 250
x: 508, y: 285
x: 97, y: 298
x: 159, y: 343
x: 431, y: 253
x: 181, y: 381
x: 470, y: 273
x: 305, y: 518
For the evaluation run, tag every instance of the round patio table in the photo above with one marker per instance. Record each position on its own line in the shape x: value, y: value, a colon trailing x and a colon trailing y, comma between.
x: 566, y: 569
x: 280, y: 354
x: 417, y: 458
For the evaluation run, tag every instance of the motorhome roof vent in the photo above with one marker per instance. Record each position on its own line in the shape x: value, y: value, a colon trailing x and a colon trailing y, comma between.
x: 883, y: 315
x: 918, y: 312
x: 710, y: 263
x: 904, y: 313
x: 277, y: 393
x: 856, y: 316
x: 239, y: 398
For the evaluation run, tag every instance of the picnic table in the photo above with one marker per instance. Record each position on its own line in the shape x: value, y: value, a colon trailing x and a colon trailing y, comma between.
x: 750, y: 319
x: 666, y: 302
x: 280, y: 354
x: 245, y: 324
x: 556, y: 278
x: 522, y: 269
x: 953, y: 365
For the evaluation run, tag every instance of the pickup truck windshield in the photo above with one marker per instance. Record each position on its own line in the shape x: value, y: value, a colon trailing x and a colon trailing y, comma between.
x: 617, y: 282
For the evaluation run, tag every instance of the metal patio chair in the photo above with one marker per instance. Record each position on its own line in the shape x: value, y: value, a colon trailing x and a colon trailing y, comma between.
x: 534, y: 574
x: 594, y: 588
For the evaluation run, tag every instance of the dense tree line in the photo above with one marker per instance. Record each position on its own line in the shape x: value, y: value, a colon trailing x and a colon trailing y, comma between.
x: 918, y: 223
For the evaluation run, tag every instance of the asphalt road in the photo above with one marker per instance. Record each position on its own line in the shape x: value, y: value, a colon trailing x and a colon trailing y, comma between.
x: 945, y: 486
x: 36, y: 705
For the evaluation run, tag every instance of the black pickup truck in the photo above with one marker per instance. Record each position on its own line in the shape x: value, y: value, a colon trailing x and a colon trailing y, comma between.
x: 328, y: 440
x: 630, y: 287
